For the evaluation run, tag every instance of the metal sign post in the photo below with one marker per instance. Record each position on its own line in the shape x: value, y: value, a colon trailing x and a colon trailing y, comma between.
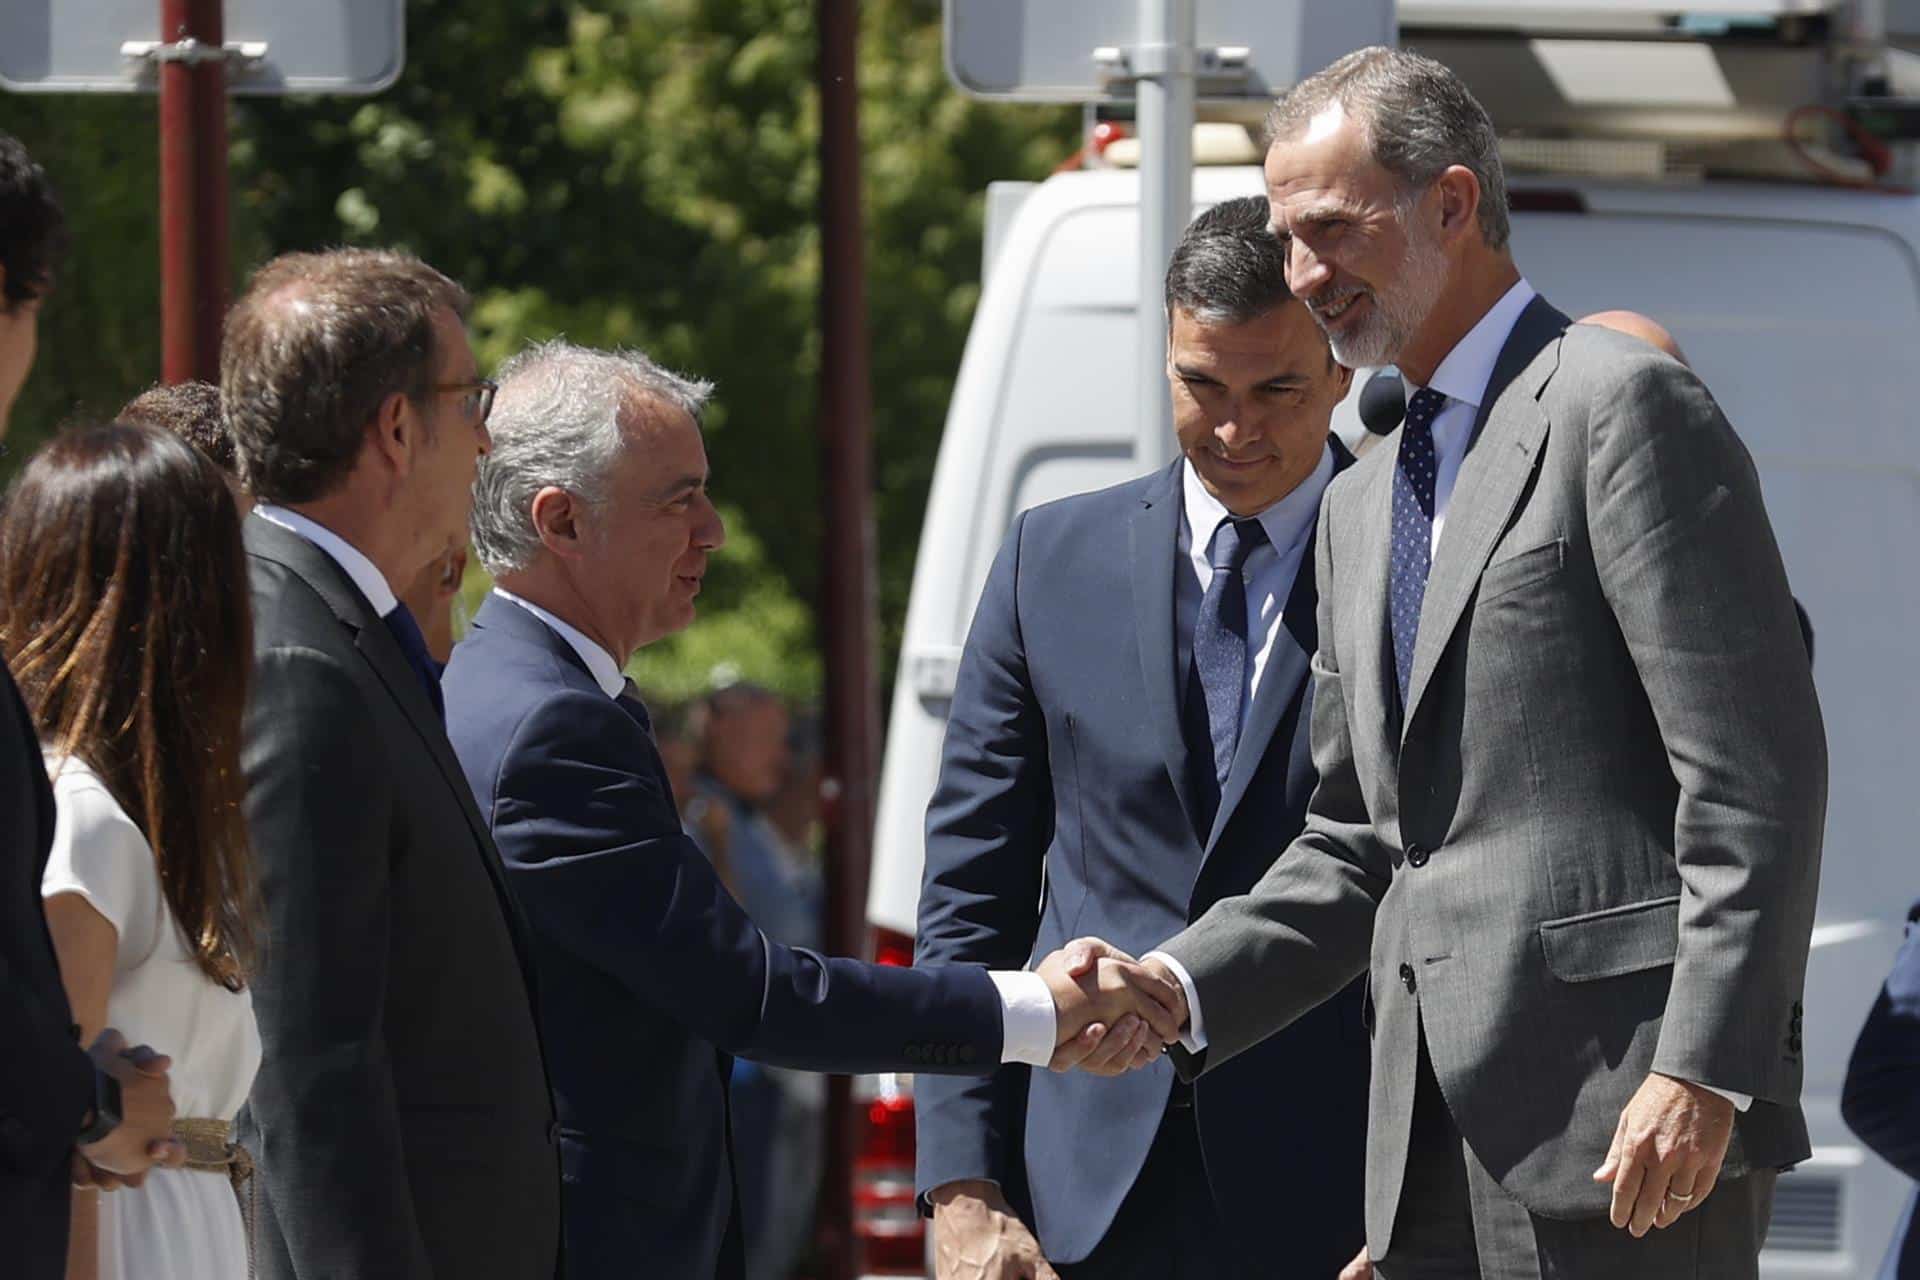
x: 193, y: 189
x: 1163, y: 68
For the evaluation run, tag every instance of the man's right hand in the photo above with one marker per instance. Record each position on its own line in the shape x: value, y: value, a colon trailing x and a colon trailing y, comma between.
x: 977, y: 1236
x: 1098, y: 991
x: 144, y: 1136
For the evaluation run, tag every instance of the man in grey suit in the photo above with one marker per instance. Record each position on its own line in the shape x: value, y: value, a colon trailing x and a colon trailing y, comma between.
x: 1572, y: 772
x: 401, y: 1118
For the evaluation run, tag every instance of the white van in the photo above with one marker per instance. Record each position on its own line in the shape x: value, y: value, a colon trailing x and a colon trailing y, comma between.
x: 1799, y: 305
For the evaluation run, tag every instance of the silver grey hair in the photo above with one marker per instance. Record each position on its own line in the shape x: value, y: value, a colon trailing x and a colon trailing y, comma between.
x: 1419, y: 120
x: 556, y: 422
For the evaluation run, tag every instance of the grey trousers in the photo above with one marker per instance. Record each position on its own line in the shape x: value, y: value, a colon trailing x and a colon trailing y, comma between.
x: 1456, y: 1222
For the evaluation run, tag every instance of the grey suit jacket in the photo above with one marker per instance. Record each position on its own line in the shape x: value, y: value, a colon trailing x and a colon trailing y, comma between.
x: 1588, y: 849
x: 401, y: 1117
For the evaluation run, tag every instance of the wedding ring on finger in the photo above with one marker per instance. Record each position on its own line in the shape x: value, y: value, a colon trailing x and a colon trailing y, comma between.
x: 1677, y: 1198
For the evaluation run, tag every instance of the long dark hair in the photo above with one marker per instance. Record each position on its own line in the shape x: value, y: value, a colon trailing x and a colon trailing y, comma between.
x: 124, y: 617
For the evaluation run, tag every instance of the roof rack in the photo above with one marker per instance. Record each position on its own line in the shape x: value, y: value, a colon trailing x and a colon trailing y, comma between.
x: 1753, y: 88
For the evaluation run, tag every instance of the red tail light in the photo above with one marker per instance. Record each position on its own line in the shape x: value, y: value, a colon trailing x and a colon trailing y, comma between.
x: 891, y: 1235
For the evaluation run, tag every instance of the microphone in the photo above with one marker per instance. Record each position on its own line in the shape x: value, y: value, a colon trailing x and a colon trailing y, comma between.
x: 1383, y: 402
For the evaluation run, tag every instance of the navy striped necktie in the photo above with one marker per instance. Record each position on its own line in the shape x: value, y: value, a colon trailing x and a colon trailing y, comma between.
x: 1220, y: 655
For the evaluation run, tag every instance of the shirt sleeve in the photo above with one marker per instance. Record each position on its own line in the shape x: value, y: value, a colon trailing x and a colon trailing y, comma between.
x: 1194, y: 1038
x: 1740, y: 1101
x: 101, y: 855
x: 1027, y: 1017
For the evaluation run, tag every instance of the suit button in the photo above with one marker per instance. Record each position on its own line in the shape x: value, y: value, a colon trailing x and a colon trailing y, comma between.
x: 1417, y: 856
x: 1407, y: 979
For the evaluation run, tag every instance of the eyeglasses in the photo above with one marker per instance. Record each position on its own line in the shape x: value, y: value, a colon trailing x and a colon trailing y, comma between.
x: 476, y: 400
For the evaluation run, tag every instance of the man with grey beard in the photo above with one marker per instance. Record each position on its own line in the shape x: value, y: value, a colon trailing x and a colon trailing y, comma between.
x: 1572, y: 768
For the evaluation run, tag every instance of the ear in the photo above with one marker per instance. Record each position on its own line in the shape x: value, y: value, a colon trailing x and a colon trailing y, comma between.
x: 395, y: 433
x: 558, y: 520
x: 1458, y: 192
x: 1345, y: 376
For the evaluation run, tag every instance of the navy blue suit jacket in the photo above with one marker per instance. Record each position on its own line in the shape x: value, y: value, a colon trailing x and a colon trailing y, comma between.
x: 650, y: 973
x: 1065, y: 770
x: 46, y: 1081
x: 1881, y: 1098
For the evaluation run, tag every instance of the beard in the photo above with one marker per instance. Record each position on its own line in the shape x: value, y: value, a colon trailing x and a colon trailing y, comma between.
x: 1397, y: 311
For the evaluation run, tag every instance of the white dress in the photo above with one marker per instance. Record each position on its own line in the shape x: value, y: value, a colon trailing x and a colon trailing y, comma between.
x: 182, y: 1224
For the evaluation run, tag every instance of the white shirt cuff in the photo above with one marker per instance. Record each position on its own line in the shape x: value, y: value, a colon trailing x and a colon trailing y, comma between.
x: 1194, y: 1039
x: 1027, y: 1024
x: 1740, y: 1101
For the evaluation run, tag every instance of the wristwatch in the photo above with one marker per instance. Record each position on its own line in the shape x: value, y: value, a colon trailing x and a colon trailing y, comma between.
x: 106, y: 1109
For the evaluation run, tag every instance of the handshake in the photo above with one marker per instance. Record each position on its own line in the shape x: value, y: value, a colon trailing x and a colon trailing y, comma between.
x: 1112, y: 1013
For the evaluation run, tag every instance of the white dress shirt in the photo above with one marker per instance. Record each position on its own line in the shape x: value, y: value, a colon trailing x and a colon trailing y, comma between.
x: 352, y: 561
x: 1026, y: 1005
x: 1269, y: 571
x: 600, y: 664
x: 1463, y: 378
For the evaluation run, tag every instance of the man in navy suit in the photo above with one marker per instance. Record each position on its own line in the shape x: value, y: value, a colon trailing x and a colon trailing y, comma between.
x: 1128, y: 744
x: 1881, y: 1098
x: 592, y: 514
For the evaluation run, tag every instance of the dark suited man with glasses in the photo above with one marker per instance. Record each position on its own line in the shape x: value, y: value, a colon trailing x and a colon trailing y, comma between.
x: 401, y: 1118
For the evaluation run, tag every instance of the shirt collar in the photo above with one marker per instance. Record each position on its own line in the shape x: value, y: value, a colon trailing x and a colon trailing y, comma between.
x: 352, y: 561
x: 600, y: 664
x: 1286, y: 522
x: 1468, y: 368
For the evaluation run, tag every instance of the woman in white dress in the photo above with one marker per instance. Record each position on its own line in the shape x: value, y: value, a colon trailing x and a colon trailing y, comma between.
x: 123, y: 613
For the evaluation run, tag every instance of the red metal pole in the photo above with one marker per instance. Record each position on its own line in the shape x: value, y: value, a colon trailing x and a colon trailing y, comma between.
x: 847, y: 612
x: 193, y: 192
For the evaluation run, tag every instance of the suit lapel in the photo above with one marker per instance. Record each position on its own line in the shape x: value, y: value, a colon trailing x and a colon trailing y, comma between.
x: 1283, y: 678
x: 1280, y: 684
x: 1154, y: 540
x: 1500, y: 455
x: 1375, y: 699
x: 382, y: 653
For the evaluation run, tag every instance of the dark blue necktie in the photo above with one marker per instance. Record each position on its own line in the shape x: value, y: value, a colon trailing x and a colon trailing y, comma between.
x: 406, y: 633
x: 1412, y: 551
x: 1220, y: 645
x: 631, y: 702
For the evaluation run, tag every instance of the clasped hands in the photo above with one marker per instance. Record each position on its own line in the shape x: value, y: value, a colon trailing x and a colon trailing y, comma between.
x: 1112, y: 1013
x: 144, y: 1139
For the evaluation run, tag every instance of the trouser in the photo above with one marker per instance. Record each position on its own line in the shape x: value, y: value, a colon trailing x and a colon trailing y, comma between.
x: 1456, y: 1222
x: 1167, y: 1227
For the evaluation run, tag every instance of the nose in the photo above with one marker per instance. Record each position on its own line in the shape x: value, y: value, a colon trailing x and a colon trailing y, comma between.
x: 710, y: 534
x: 1307, y: 273
x: 1238, y: 430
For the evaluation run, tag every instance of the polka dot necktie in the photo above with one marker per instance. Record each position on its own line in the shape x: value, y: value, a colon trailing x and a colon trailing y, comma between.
x: 1220, y: 646
x: 1412, y: 551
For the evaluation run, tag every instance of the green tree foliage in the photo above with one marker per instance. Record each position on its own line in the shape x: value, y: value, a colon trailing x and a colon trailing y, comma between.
x: 100, y: 331
x: 637, y: 172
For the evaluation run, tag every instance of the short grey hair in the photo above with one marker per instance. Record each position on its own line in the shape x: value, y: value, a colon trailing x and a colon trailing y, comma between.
x: 556, y: 422
x: 1419, y: 120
